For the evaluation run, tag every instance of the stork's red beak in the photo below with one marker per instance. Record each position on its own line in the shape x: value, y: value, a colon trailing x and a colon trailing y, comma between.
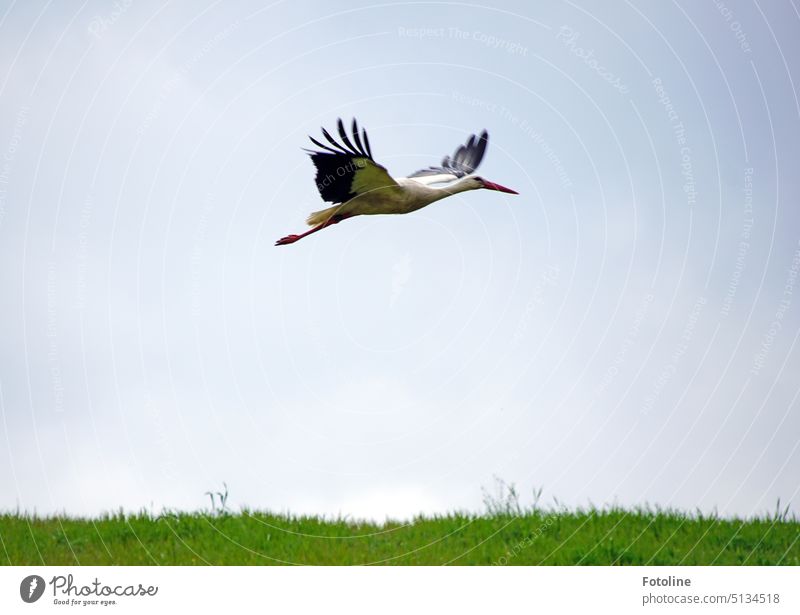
x: 498, y: 187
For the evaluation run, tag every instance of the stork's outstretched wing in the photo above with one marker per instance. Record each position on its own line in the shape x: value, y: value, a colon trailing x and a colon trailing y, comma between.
x: 464, y: 161
x: 347, y: 171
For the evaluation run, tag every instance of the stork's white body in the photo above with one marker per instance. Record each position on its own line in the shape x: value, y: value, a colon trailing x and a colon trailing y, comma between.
x: 406, y: 196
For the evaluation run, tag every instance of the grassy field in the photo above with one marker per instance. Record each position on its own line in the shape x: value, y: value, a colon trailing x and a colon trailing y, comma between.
x: 588, y: 537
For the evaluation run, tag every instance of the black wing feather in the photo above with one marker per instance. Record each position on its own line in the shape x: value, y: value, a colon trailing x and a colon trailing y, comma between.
x: 343, y: 135
x: 332, y: 141
x: 336, y: 166
x: 325, y: 147
x: 465, y: 159
x: 366, y: 143
x: 357, y: 139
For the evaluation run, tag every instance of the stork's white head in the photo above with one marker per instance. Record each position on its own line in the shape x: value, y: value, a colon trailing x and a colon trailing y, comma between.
x: 475, y: 183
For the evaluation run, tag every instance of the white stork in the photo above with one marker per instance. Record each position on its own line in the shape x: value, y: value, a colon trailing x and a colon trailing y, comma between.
x: 348, y: 175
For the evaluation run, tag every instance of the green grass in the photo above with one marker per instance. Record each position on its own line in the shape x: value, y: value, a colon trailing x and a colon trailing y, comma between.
x: 592, y: 537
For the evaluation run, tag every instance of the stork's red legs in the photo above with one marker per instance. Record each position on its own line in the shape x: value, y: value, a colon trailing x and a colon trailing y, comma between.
x: 292, y: 238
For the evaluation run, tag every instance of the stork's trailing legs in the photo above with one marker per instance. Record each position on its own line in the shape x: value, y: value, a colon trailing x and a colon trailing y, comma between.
x: 331, y: 221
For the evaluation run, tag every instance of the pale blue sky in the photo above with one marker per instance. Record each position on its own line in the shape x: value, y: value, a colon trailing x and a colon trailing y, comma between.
x: 608, y: 335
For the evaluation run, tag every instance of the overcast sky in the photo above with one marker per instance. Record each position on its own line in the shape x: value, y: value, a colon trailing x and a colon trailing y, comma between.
x: 624, y: 331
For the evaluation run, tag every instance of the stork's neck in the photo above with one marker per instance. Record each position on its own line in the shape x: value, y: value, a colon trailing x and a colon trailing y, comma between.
x: 417, y: 194
x: 462, y: 185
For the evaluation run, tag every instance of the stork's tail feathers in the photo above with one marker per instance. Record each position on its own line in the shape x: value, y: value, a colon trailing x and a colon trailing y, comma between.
x: 323, y: 215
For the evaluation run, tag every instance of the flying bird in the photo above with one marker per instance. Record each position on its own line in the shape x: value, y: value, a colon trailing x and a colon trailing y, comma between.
x: 348, y: 176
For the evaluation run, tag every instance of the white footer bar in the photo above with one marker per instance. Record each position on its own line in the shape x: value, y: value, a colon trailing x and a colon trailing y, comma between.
x: 401, y: 590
